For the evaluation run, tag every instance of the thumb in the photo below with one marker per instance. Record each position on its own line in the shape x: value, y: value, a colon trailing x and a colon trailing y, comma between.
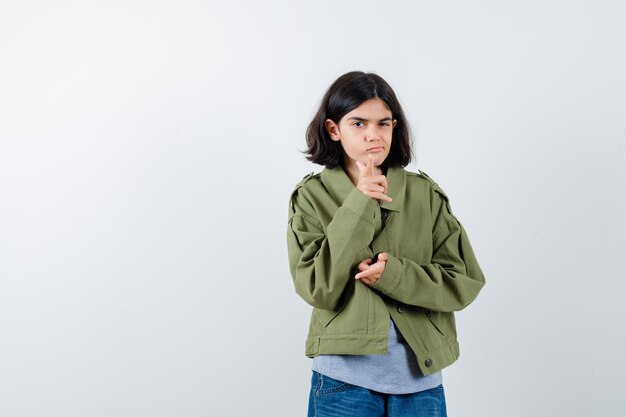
x: 362, y: 168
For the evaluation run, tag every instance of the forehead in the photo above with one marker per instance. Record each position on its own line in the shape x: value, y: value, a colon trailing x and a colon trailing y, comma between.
x: 374, y: 108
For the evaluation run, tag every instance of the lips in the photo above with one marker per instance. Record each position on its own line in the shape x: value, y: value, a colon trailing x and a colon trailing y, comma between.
x: 375, y: 149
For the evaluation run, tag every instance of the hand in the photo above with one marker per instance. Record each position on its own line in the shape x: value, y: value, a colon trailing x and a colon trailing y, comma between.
x: 370, y: 272
x: 374, y: 186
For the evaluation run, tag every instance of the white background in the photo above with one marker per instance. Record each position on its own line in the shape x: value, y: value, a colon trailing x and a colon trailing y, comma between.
x: 147, y: 153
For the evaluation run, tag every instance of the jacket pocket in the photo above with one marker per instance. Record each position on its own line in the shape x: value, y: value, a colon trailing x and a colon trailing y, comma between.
x: 326, y: 316
x: 436, y: 320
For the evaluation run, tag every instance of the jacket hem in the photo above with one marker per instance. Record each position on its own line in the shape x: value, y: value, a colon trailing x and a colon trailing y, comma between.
x: 346, y: 345
x: 435, y: 360
x: 429, y: 362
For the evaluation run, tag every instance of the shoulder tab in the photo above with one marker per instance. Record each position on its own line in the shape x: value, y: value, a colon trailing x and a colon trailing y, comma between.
x: 304, y: 180
x: 425, y: 175
x: 295, y: 190
x: 435, y: 186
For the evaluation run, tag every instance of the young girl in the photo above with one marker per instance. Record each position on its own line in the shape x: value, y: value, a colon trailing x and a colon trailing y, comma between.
x: 378, y: 253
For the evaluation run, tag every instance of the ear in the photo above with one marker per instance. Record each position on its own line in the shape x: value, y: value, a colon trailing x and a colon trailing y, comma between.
x: 332, y: 129
x: 393, y: 124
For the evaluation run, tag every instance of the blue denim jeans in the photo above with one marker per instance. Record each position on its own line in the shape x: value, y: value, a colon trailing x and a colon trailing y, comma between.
x: 332, y: 398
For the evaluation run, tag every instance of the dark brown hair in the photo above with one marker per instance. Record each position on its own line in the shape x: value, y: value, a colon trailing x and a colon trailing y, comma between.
x: 343, y: 96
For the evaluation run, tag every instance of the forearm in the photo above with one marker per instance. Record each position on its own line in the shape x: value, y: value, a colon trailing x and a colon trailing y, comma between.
x: 449, y: 282
x: 431, y: 286
x: 321, y: 262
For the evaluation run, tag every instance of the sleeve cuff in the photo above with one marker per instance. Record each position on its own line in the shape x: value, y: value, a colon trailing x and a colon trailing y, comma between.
x: 360, y: 204
x: 390, y: 278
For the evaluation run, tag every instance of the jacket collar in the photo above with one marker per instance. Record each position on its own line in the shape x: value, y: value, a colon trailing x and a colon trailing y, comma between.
x: 339, y: 185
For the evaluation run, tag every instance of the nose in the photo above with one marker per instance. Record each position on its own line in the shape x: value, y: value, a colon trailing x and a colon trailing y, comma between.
x: 372, y: 133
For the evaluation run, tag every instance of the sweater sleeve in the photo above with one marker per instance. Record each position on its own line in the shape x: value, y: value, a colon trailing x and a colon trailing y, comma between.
x: 451, y: 280
x: 321, y: 261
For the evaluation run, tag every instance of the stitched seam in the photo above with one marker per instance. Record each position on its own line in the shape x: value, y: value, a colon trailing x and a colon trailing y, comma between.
x: 344, y: 335
x: 360, y: 217
x: 437, y: 233
x: 309, y: 219
x: 315, y: 395
x: 354, y: 258
x: 392, y: 291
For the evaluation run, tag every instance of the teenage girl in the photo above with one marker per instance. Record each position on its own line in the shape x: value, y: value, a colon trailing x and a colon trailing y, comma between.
x: 378, y: 253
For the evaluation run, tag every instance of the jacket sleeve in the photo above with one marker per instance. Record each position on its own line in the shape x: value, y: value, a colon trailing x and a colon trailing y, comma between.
x: 321, y: 261
x: 452, y: 279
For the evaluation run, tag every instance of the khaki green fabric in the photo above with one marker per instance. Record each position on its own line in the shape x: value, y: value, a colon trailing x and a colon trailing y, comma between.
x: 431, y: 272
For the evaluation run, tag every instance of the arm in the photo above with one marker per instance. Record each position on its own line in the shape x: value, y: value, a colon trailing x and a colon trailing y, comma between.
x: 321, y: 262
x: 452, y: 279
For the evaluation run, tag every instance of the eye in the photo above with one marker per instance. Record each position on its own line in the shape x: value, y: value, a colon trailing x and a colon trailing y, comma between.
x: 358, y: 124
x: 385, y: 124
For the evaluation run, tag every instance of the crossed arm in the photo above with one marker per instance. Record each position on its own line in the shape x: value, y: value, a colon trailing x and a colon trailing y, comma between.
x: 322, y: 262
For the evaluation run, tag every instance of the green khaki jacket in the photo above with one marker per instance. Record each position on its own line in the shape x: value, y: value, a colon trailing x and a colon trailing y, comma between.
x: 431, y: 271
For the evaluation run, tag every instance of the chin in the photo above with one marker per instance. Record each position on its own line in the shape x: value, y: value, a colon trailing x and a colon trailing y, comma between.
x: 379, y: 159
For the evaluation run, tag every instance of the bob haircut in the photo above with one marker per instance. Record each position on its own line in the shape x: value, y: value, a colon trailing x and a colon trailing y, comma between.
x: 343, y: 96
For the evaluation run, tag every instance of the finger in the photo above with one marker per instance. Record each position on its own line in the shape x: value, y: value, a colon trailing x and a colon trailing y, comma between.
x: 380, y: 180
x: 375, y: 188
x: 363, y: 266
x: 383, y: 256
x: 369, y: 272
x: 363, y: 279
x: 362, y: 274
x: 370, y: 164
x: 362, y: 168
x: 378, y: 196
x: 366, y: 281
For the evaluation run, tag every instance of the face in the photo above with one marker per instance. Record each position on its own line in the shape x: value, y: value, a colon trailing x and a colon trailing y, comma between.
x: 365, y: 130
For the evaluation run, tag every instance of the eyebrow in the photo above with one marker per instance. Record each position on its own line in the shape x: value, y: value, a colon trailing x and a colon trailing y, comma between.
x: 360, y: 119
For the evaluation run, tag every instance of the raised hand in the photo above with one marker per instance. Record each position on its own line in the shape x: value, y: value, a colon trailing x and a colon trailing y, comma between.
x: 374, y: 186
